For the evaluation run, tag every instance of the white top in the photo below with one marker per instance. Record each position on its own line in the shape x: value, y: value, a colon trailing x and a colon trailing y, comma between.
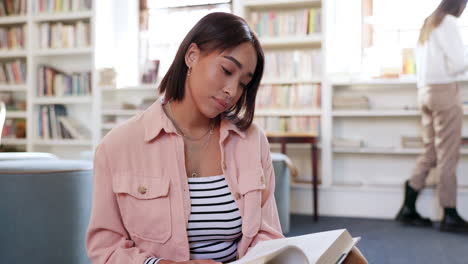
x: 215, y: 224
x: 441, y: 58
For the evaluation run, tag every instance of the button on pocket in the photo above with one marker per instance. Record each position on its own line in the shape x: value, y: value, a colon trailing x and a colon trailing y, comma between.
x: 145, y: 206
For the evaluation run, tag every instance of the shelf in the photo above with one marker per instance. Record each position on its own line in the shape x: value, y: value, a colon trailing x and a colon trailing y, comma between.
x: 62, y: 142
x: 143, y: 87
x: 63, y: 100
x: 291, y: 81
x: 16, y: 114
x: 12, y: 53
x: 13, y: 88
x: 375, y: 113
x: 5, y: 20
x: 288, y: 112
x: 108, y: 126
x: 66, y: 51
x: 291, y: 41
x: 280, y: 3
x: 13, y: 141
x: 62, y: 16
x: 383, y: 150
x: 120, y: 112
x: 368, y: 82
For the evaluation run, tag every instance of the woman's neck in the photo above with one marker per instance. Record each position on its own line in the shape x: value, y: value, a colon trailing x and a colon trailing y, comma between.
x: 188, y: 117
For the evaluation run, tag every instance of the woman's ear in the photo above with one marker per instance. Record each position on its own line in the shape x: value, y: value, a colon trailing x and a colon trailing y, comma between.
x: 192, y: 55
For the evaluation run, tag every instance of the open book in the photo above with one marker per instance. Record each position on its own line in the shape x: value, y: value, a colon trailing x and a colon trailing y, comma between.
x: 329, y: 247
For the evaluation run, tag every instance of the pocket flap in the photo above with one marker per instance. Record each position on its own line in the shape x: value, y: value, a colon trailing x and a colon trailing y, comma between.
x: 141, y: 187
x: 252, y: 180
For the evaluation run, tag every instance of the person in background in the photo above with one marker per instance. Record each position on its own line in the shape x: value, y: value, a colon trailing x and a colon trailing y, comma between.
x: 190, y: 180
x: 440, y: 57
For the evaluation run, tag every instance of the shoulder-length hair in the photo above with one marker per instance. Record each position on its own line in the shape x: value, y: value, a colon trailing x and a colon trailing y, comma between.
x: 446, y: 7
x: 217, y: 32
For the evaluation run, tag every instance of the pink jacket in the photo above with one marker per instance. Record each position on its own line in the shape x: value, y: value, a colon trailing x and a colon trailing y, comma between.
x: 141, y: 202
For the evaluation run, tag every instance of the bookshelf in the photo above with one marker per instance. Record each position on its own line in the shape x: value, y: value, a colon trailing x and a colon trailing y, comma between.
x: 13, y: 82
x: 72, y: 27
x: 285, y: 51
x: 382, y: 160
x: 119, y: 104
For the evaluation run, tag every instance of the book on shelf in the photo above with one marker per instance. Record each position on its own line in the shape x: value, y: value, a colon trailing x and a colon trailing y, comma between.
x: 309, y: 125
x: 347, y: 143
x: 14, y: 129
x: 64, y: 35
x: 297, y: 96
x: 276, y: 23
x: 12, y: 37
x: 302, y: 64
x: 54, y: 82
x: 12, y: 7
x: 12, y: 103
x: 350, y: 102
x: 54, y: 123
x: 317, y: 248
x: 411, y: 142
x: 13, y: 72
x: 50, y: 6
x: 74, y: 128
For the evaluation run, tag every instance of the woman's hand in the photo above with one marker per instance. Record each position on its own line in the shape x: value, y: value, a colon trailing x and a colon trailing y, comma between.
x: 198, y: 261
x: 355, y: 257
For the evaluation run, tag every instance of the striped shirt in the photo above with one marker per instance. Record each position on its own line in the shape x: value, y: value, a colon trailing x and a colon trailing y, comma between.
x: 215, y: 224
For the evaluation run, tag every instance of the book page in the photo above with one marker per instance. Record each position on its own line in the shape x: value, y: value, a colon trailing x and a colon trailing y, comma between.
x: 316, y: 247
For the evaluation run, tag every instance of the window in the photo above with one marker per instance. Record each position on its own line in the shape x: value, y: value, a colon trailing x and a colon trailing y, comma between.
x: 168, y: 23
x: 389, y: 27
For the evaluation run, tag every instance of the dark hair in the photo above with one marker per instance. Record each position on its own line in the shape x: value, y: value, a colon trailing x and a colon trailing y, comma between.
x: 217, y: 32
x: 451, y: 7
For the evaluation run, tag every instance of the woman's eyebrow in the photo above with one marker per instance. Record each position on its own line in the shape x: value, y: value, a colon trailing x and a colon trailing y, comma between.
x: 237, y: 63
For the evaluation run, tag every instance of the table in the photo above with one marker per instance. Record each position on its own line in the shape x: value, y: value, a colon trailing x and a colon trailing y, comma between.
x: 285, y: 138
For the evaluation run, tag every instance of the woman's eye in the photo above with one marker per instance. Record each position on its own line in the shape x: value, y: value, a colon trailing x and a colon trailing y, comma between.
x: 226, y: 71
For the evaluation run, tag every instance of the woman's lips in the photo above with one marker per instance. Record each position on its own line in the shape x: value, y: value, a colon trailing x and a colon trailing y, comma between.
x: 221, y: 104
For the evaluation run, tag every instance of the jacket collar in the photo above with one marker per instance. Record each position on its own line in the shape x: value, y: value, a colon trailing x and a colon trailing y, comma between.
x: 155, y: 120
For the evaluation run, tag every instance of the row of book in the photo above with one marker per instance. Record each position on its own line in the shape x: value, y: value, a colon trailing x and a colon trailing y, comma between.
x: 309, y: 125
x: 289, y: 96
x: 60, y: 35
x: 12, y: 7
x: 301, y: 22
x: 48, y: 6
x: 12, y: 37
x: 14, y: 129
x: 53, y: 82
x: 54, y: 123
x: 289, y: 64
x: 13, y: 72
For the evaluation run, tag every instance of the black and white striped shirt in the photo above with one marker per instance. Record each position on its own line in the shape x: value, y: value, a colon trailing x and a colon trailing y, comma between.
x: 215, y: 224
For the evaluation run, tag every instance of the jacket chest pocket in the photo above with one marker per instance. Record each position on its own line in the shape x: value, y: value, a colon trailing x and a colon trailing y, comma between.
x: 145, y: 206
x: 251, y: 187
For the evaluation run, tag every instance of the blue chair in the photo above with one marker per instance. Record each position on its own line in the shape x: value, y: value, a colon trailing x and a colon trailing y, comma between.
x: 44, y: 210
x: 283, y: 169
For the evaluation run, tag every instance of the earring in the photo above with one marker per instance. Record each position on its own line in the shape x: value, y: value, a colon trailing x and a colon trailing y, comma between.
x: 189, y: 71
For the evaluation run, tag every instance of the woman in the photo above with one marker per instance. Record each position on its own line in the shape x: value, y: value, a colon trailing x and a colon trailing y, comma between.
x: 190, y: 180
x: 440, y: 58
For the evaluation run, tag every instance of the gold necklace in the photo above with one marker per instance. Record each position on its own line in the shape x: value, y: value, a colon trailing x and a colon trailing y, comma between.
x: 181, y: 131
x: 194, y: 172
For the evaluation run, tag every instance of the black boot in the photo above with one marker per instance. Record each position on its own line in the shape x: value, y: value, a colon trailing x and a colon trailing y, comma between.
x: 407, y: 214
x: 452, y: 221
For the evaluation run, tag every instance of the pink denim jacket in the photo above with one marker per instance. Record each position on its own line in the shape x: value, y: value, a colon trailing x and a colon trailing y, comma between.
x: 141, y: 202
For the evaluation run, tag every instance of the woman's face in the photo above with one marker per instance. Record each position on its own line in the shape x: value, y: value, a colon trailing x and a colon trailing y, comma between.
x: 217, y: 80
